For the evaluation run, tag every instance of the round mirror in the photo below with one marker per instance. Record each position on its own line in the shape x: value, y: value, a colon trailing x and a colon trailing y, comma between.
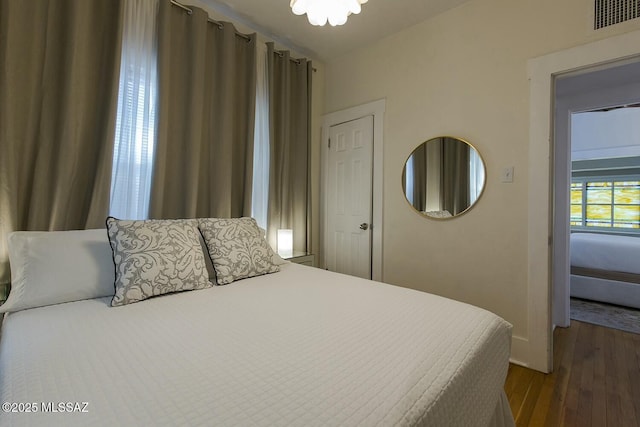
x: 444, y: 177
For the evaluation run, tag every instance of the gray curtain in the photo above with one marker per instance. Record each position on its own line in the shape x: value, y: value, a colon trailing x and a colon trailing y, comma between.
x: 419, y: 157
x: 455, y: 176
x: 206, y: 108
x: 289, y: 136
x: 58, y: 95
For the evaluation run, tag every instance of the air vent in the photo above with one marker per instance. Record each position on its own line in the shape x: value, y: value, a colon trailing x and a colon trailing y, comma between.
x: 610, y: 12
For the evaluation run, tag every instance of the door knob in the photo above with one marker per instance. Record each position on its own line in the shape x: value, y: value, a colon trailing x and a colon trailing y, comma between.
x: 364, y: 226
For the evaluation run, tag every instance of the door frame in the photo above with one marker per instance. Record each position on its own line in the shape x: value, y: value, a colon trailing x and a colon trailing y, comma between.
x: 375, y: 109
x: 541, y: 72
x: 611, y: 92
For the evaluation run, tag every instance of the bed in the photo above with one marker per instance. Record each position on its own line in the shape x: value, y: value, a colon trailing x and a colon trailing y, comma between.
x: 297, y: 347
x: 606, y: 268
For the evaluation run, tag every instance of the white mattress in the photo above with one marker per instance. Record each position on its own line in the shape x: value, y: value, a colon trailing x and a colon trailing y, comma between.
x: 605, y: 252
x: 302, y: 347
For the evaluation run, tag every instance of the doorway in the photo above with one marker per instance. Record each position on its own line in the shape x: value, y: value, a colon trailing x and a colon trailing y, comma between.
x: 541, y: 71
x: 375, y: 111
x: 592, y: 89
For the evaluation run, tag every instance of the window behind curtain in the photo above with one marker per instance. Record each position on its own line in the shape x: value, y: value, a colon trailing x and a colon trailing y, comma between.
x: 476, y: 175
x: 260, y: 196
x: 135, y: 124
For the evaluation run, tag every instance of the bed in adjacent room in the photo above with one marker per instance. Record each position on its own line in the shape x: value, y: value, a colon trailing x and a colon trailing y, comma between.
x: 606, y: 268
x: 300, y: 346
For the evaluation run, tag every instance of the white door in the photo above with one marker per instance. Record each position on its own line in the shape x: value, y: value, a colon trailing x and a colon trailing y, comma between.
x: 349, y: 197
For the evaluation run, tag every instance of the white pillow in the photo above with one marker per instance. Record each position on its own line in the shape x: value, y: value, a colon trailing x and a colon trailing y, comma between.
x: 53, y: 267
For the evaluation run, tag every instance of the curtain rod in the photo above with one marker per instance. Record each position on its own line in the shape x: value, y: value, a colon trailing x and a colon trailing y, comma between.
x: 213, y: 21
x: 280, y: 54
x: 294, y: 60
x: 221, y: 25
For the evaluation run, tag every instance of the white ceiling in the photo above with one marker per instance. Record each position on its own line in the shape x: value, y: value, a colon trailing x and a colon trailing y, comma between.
x: 378, y: 19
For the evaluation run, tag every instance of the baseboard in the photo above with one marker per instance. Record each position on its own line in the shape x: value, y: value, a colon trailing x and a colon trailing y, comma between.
x: 519, y: 351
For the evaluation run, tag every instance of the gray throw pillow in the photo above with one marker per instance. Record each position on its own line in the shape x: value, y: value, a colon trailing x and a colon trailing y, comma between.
x: 155, y: 257
x: 237, y: 248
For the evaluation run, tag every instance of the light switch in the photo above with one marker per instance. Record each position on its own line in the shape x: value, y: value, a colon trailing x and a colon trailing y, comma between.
x: 507, y: 174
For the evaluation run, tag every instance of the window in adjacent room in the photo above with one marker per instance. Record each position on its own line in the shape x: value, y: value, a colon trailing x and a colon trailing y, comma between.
x: 612, y: 203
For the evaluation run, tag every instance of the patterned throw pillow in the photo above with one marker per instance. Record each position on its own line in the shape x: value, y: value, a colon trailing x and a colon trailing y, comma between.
x: 155, y: 257
x: 237, y: 248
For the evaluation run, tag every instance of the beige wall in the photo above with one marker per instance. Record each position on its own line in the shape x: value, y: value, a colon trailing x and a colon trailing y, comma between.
x: 463, y: 73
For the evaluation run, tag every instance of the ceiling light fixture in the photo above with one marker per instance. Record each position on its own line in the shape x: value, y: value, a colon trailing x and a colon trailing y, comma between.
x: 320, y: 11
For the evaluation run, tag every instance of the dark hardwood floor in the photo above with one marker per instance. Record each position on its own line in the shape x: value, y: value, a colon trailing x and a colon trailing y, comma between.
x: 596, y: 381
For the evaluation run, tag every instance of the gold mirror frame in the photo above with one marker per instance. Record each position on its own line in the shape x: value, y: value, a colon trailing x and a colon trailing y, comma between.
x: 438, y: 167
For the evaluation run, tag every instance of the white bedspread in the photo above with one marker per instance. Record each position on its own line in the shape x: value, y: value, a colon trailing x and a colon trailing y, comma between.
x: 605, y: 252
x: 302, y: 347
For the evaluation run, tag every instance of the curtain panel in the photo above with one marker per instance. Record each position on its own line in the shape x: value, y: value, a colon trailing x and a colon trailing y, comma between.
x: 420, y: 162
x: 58, y: 96
x: 455, y: 176
x: 289, y: 136
x: 206, y: 106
